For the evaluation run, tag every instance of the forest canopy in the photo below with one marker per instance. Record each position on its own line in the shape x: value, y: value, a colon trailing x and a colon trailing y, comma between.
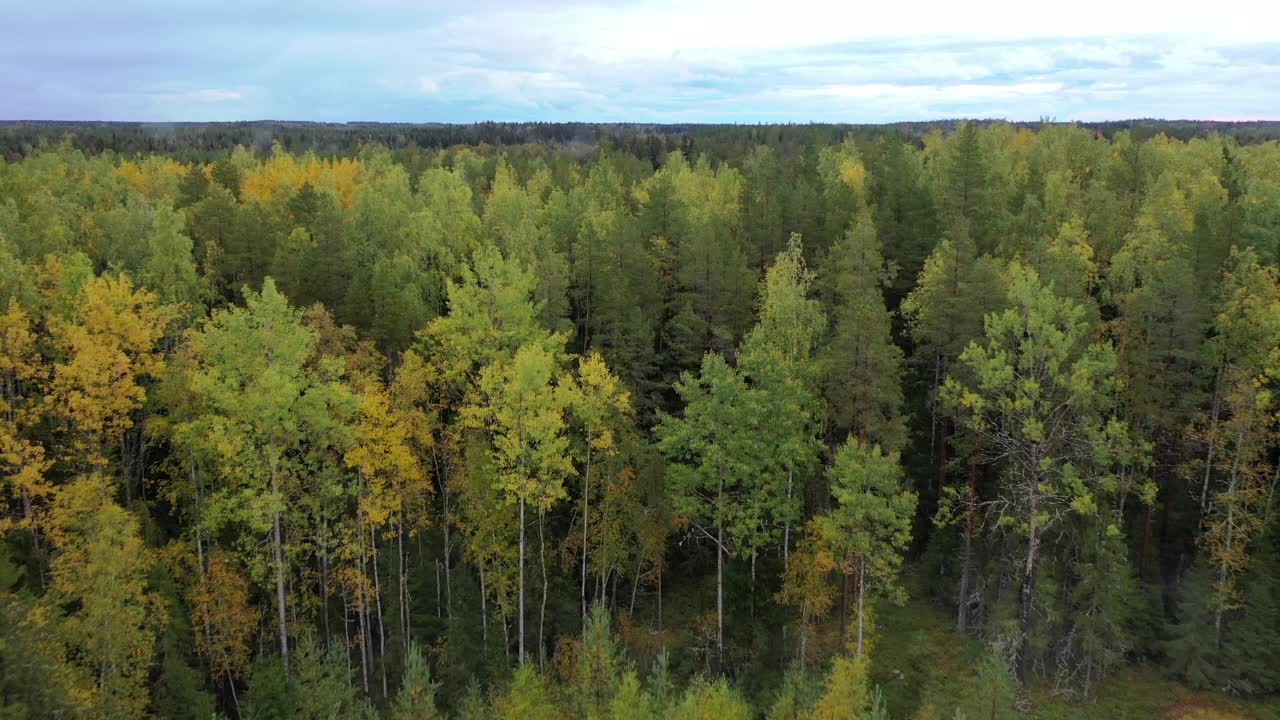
x: 585, y: 421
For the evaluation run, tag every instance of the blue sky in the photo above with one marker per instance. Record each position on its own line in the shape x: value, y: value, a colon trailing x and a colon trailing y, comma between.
x: 655, y: 61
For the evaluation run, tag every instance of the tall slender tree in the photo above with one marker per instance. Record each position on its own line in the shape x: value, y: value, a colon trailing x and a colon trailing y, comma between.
x: 1043, y: 402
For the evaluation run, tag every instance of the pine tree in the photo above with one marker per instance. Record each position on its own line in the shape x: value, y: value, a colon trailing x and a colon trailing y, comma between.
x: 631, y: 702
x: 711, y: 700
x: 1043, y: 399
x: 847, y: 692
x: 416, y: 699
x: 528, y: 698
x: 864, y: 382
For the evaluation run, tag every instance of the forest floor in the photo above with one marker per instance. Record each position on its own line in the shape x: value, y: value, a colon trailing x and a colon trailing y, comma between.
x: 925, y: 669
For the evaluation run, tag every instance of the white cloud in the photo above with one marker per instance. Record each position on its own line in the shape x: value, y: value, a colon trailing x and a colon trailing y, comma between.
x: 1188, y: 57
x: 653, y: 60
x: 1106, y: 53
x: 960, y: 93
x: 1027, y: 58
x: 213, y: 95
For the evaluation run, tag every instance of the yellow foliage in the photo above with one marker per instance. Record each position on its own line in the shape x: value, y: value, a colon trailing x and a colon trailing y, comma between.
x: 101, y: 572
x: 847, y: 694
x: 853, y: 174
x: 22, y: 459
x: 393, y: 438
x: 806, y: 585
x: 261, y: 183
x: 108, y: 345
x: 223, y: 618
x: 154, y: 177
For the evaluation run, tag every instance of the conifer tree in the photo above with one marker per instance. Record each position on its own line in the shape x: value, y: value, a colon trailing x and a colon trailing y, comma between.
x: 864, y: 384
x: 1043, y: 399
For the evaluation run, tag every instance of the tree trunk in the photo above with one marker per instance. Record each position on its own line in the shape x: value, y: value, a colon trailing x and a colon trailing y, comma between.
x: 29, y: 515
x: 662, y: 638
x: 602, y: 579
x: 444, y: 526
x: 195, y: 489
x: 346, y: 631
x: 942, y: 457
x: 364, y: 641
x: 635, y: 586
x: 235, y: 699
x: 844, y: 605
x: 542, y: 613
x: 484, y: 612
x: 1028, y: 598
x: 1222, y: 572
x: 404, y: 587
x: 280, y: 595
x: 804, y: 644
x: 586, y: 507
x: 1213, y: 443
x: 520, y: 619
x: 506, y: 636
x: 377, y: 597
x: 966, y: 567
x: 862, y: 581
x: 720, y: 575
x: 786, y: 529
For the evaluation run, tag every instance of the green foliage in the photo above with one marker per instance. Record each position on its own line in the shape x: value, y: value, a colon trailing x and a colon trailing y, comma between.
x: 99, y: 580
x: 846, y: 692
x: 270, y: 696
x: 179, y: 691
x: 528, y: 698
x: 1044, y: 400
x: 869, y: 528
x: 631, y: 701
x: 708, y: 700
x: 323, y: 687
x: 169, y: 267
x: 193, y: 472
x: 595, y: 684
x: 416, y: 699
x: 36, y: 680
x: 864, y: 381
x: 796, y: 697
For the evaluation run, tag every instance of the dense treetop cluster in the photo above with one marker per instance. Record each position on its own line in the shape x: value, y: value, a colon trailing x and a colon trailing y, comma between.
x: 616, y: 423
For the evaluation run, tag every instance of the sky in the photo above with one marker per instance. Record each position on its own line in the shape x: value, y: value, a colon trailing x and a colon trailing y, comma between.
x: 654, y: 61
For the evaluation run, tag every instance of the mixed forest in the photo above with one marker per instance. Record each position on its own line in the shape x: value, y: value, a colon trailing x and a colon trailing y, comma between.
x: 800, y: 422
